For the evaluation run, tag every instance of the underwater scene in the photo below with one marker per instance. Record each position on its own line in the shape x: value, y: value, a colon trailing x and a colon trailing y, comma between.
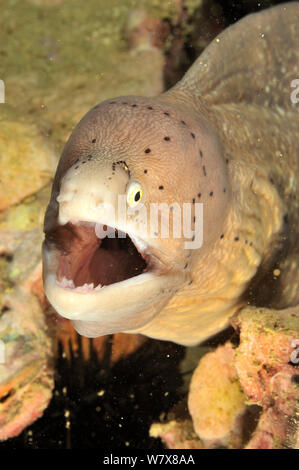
x: 149, y: 224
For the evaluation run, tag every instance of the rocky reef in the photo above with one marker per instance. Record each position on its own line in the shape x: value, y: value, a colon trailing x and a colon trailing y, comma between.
x: 243, y: 396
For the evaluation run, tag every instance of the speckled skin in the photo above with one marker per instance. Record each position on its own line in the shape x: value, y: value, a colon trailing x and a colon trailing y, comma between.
x: 233, y: 145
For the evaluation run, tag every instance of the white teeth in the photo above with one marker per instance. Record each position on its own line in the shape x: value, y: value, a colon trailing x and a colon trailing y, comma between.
x: 85, y: 287
x: 69, y: 284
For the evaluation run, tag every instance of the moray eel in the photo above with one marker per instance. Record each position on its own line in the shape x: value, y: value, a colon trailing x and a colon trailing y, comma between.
x: 223, y: 143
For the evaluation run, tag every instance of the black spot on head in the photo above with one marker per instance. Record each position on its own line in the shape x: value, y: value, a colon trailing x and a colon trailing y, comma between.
x: 211, y: 193
x: 193, y: 201
x: 149, y: 107
x: 224, y: 190
x: 183, y: 122
x: 226, y: 161
x: 286, y: 219
x: 166, y: 113
x: 76, y: 167
x: 200, y: 153
x: 145, y: 171
x: 94, y: 140
x: 204, y: 171
x: 194, y: 219
x: 167, y: 138
x: 222, y: 235
x: 134, y: 105
x: 147, y: 150
x: 193, y: 238
x: 192, y: 135
x: 161, y: 187
x: 199, y: 195
x: 190, y: 282
x: 186, y: 266
x: 236, y: 239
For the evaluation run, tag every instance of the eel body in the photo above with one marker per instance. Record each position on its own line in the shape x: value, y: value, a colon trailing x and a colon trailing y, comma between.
x: 224, y: 142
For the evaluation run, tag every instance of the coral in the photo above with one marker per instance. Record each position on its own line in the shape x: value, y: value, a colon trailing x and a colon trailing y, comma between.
x: 245, y: 396
x: 216, y: 400
x: 176, y: 434
x: 266, y: 371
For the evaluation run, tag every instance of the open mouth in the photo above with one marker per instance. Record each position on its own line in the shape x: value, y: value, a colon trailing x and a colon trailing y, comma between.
x: 88, y: 263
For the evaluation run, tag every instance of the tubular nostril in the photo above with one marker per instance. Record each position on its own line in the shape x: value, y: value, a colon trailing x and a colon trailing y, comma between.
x: 65, y: 197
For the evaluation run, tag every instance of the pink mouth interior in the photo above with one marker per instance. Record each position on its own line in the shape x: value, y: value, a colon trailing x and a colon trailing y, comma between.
x: 85, y: 259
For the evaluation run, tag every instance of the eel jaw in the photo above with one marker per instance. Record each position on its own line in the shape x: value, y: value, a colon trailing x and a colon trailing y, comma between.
x: 116, y: 282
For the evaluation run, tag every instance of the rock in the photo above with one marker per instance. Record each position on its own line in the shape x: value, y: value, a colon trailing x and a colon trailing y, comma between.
x: 245, y: 396
x: 216, y: 401
x: 21, y: 236
x: 27, y: 162
x: 176, y: 434
x: 26, y: 375
x: 267, y: 373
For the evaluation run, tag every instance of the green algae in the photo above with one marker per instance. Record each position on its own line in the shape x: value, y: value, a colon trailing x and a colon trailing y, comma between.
x: 58, y: 59
x: 267, y: 321
x: 24, y: 216
x: 73, y: 37
x: 5, y: 283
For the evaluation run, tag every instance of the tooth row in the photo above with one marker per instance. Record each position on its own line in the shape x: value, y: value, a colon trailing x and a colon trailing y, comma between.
x: 85, y: 287
x: 66, y: 283
x: 69, y: 283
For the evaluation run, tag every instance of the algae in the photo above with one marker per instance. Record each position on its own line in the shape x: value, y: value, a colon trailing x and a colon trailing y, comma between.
x: 58, y: 59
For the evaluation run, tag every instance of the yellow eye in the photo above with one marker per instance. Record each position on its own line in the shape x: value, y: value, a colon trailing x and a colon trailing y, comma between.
x: 134, y: 194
